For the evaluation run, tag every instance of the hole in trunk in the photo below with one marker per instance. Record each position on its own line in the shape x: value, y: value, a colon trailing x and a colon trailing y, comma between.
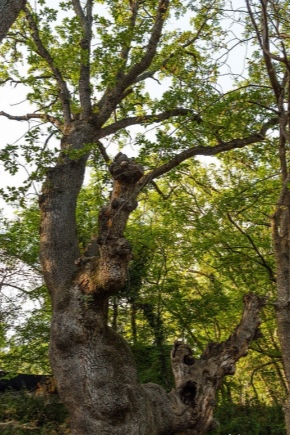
x: 188, y: 393
x: 188, y: 360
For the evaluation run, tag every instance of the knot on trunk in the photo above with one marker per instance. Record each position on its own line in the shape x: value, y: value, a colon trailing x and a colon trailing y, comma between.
x: 126, y: 170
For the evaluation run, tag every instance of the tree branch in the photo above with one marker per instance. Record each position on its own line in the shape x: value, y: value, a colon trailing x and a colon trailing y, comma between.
x: 21, y: 290
x: 127, y: 122
x: 264, y: 44
x: 84, y: 81
x: 150, y: 74
x: 42, y: 51
x: 16, y: 82
x: 134, y: 6
x: 28, y: 116
x: 146, y: 60
x: 103, y: 151
x: 113, y: 96
x: 207, y: 151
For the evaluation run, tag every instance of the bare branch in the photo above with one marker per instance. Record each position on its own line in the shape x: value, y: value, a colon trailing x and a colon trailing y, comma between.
x: 207, y: 151
x: 20, y: 289
x: 28, y: 116
x: 23, y: 81
x: 42, y: 51
x: 127, y: 122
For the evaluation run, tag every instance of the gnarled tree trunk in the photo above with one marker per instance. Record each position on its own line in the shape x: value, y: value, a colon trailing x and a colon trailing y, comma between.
x: 93, y: 365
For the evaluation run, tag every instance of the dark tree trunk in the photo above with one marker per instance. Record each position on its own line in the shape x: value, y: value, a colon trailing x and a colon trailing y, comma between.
x: 9, y: 10
x: 94, y: 368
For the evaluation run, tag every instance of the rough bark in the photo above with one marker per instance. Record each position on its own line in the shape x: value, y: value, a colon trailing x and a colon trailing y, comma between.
x: 281, y: 233
x: 94, y: 368
x: 277, y: 66
x: 9, y: 10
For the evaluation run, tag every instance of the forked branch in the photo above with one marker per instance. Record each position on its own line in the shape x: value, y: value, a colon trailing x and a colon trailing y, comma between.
x: 150, y: 52
x: 113, y: 95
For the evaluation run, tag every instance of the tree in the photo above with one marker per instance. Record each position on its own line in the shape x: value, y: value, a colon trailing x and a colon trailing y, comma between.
x: 84, y: 95
x: 9, y: 10
x: 272, y: 35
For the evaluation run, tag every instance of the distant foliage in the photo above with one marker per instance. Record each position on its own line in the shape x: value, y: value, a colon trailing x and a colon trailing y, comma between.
x: 250, y: 420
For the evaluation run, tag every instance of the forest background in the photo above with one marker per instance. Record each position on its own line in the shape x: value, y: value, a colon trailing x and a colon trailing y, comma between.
x: 201, y: 235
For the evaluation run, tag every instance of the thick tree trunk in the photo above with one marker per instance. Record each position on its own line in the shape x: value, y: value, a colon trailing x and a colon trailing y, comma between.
x: 281, y: 234
x: 97, y: 378
x: 93, y: 366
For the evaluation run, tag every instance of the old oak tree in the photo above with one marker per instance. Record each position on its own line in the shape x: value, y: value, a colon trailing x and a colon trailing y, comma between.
x: 93, y: 70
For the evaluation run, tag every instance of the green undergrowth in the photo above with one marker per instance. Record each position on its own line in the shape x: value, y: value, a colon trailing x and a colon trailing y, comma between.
x: 22, y: 413
x: 25, y: 414
x: 255, y: 419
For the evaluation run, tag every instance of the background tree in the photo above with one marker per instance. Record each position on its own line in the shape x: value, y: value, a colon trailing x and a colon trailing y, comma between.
x: 87, y: 77
x: 269, y: 21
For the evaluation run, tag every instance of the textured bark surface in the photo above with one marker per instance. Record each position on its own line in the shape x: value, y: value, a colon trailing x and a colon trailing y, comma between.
x: 197, y: 381
x: 9, y: 10
x: 277, y: 67
x: 281, y: 234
